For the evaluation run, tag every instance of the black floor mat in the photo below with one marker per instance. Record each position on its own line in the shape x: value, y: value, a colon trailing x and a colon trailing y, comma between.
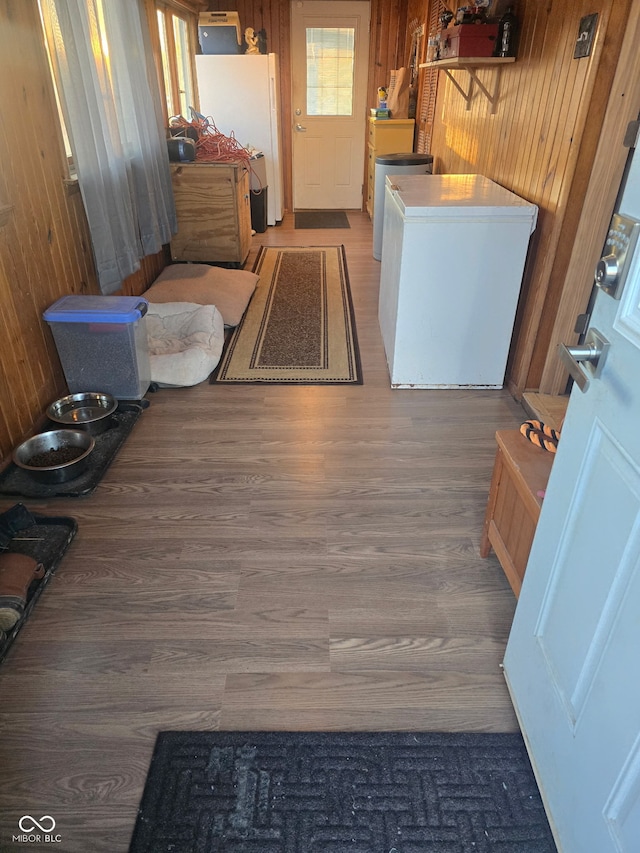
x: 321, y: 219
x: 46, y: 541
x: 306, y: 792
x: 18, y: 483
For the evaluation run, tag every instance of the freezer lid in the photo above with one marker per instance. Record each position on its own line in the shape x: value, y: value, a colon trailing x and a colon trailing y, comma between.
x: 455, y: 196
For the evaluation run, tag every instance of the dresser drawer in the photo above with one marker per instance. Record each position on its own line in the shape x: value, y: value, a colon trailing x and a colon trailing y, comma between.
x: 391, y: 136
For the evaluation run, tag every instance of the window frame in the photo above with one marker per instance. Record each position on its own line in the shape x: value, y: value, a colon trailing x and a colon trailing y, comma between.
x: 318, y: 91
x: 189, y: 14
x: 71, y: 177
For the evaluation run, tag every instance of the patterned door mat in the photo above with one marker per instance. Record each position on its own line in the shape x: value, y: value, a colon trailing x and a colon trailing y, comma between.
x: 18, y: 483
x: 46, y: 540
x: 362, y: 792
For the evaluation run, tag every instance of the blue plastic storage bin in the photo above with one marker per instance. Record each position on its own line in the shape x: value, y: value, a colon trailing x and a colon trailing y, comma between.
x: 102, y: 344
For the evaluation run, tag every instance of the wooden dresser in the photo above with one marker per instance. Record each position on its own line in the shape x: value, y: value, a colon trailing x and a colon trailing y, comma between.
x: 386, y: 136
x: 214, y: 212
x: 520, y: 474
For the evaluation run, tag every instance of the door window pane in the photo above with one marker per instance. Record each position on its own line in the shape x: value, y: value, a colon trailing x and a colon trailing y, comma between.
x: 330, y: 59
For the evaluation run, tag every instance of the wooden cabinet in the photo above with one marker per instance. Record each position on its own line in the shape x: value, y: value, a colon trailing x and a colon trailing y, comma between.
x: 520, y: 474
x: 214, y: 212
x: 386, y: 136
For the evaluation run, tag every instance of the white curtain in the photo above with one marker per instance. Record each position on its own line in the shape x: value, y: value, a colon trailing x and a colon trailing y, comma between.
x: 103, y: 63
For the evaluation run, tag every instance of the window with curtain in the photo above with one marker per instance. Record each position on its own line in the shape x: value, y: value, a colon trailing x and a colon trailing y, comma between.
x: 176, y: 52
x: 106, y: 80
x: 71, y: 169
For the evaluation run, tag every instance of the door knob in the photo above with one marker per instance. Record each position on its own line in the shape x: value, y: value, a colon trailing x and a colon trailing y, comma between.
x: 301, y: 128
x: 585, y: 361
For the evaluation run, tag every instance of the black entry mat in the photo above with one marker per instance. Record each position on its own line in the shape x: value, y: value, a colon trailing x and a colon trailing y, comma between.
x: 46, y: 540
x: 321, y: 219
x: 16, y: 482
x: 361, y: 792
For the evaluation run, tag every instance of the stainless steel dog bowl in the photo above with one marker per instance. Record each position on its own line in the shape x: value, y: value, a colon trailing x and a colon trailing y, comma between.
x: 89, y: 411
x: 55, y: 456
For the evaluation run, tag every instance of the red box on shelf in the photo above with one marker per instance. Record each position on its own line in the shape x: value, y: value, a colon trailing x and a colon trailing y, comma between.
x: 468, y: 40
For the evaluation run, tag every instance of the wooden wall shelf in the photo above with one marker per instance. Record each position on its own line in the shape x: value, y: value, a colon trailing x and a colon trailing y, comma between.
x: 471, y: 65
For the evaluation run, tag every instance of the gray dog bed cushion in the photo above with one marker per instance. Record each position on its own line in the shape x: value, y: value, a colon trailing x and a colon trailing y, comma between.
x: 185, y: 342
x: 229, y: 290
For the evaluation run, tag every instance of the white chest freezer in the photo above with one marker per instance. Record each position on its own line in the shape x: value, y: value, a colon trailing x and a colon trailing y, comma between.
x: 453, y: 255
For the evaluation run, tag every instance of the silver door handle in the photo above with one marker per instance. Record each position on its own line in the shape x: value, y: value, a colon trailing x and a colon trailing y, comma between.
x: 585, y: 362
x: 301, y: 128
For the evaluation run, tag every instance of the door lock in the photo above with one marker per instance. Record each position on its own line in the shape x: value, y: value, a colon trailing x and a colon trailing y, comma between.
x: 585, y: 362
x: 607, y: 271
x: 612, y: 268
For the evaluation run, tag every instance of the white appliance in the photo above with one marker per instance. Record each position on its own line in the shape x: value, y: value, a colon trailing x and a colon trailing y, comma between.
x: 240, y: 92
x: 453, y: 254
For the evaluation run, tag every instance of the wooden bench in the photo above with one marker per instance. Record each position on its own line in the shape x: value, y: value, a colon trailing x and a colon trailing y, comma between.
x: 520, y: 474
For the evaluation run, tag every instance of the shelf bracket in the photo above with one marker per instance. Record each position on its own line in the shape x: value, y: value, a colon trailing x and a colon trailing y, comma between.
x: 492, y: 98
x: 466, y: 95
x: 473, y: 78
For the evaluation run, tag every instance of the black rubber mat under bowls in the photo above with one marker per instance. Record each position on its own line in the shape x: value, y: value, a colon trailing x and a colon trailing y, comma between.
x: 19, y: 483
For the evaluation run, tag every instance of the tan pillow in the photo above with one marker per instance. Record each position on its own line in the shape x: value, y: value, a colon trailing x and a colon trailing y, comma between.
x: 229, y: 290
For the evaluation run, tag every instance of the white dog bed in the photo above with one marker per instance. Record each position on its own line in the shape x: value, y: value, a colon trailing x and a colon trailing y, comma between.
x: 185, y: 342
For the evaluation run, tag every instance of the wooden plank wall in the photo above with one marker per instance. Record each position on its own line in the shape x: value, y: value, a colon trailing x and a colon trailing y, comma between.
x: 387, y: 50
x: 540, y: 144
x: 44, y: 245
x: 389, y: 43
x: 45, y: 250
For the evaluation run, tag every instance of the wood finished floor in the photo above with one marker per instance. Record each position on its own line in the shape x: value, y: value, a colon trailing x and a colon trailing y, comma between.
x: 261, y: 558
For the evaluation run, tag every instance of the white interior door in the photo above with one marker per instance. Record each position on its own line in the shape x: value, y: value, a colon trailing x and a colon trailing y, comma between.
x: 573, y: 658
x: 329, y: 83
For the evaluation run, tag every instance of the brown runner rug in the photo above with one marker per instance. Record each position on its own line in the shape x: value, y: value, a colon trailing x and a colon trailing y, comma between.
x: 299, y: 326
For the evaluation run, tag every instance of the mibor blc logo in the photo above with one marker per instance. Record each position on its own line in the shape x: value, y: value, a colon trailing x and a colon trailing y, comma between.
x: 37, y: 830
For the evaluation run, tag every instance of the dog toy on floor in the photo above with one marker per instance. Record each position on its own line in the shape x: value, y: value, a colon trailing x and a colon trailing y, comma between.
x: 541, y: 435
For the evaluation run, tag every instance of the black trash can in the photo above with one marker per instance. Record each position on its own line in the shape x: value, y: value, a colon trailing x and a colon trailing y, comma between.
x: 393, y: 164
x: 259, y: 191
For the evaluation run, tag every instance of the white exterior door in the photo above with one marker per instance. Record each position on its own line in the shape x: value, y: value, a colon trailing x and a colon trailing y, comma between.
x: 329, y: 74
x: 573, y: 658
